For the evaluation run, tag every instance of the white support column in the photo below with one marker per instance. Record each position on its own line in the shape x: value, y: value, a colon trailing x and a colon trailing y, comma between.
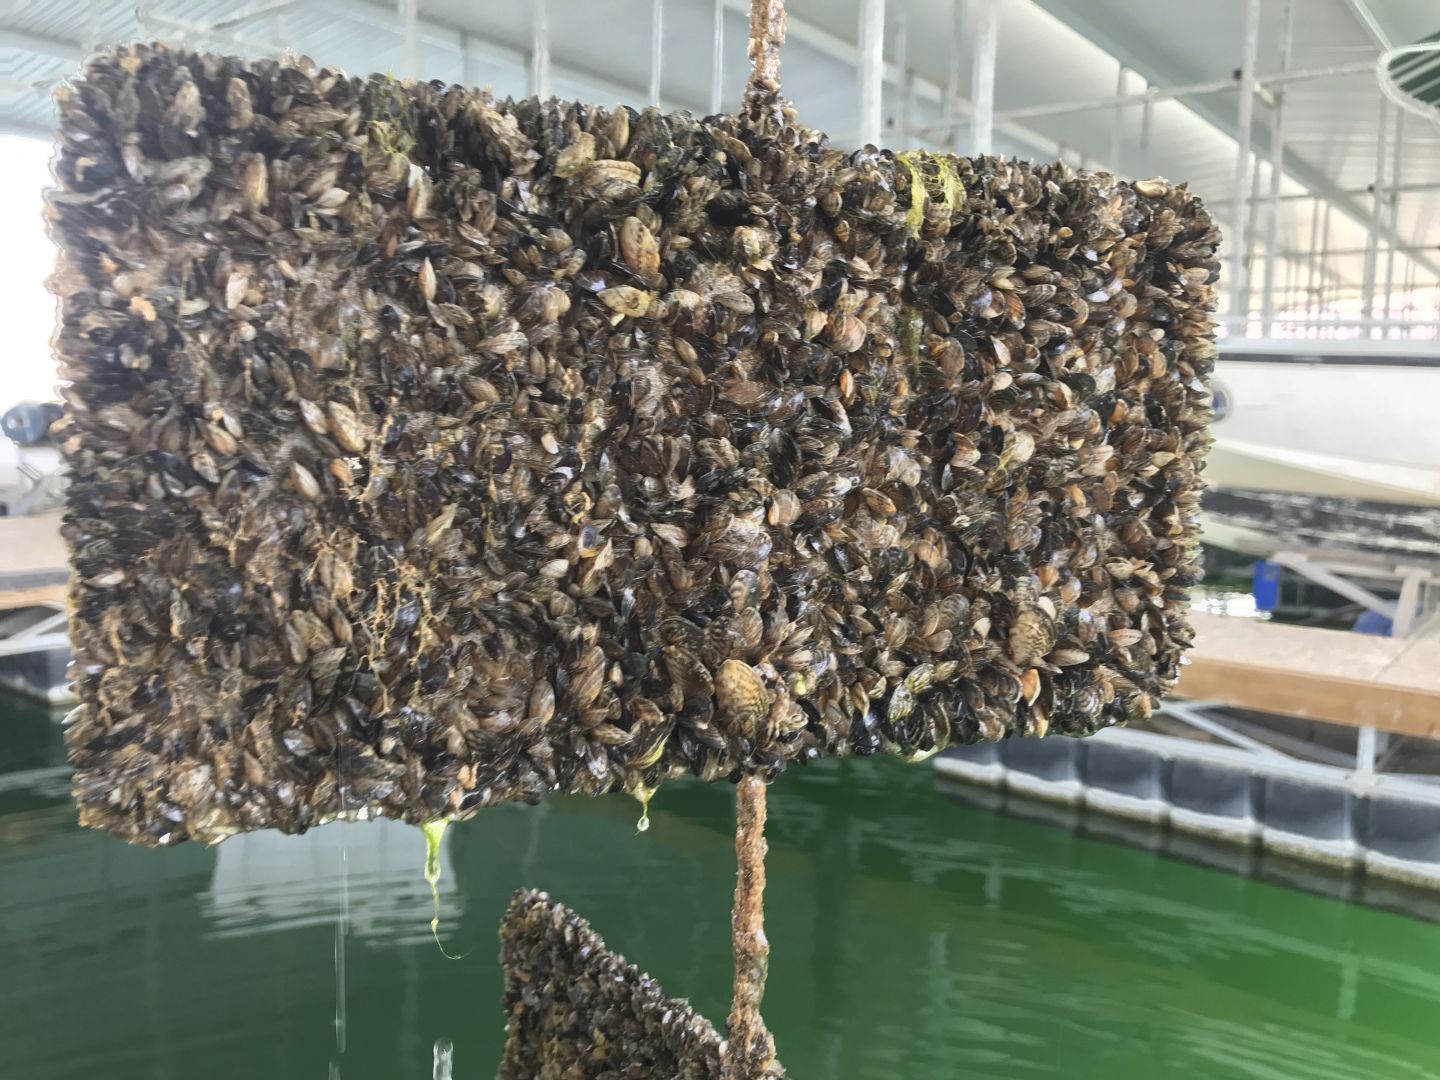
x: 1117, y: 122
x: 1409, y: 290
x: 94, y: 33
x: 1244, y: 167
x: 982, y: 75
x: 467, y: 74
x: 409, y: 14
x: 950, y: 107
x: 717, y: 61
x: 1367, y: 743
x: 1252, y: 232
x: 1408, y: 311
x: 872, y: 71
x: 1277, y: 171
x: 902, y: 61
x: 1310, y: 297
x: 657, y: 36
x: 1289, y: 286
x: 1393, y: 195
x: 1407, y: 607
x: 540, y: 48
x: 1324, y: 247
x: 1372, y: 244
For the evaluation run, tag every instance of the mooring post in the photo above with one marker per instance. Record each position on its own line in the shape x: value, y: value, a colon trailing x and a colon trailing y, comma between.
x: 749, y: 1049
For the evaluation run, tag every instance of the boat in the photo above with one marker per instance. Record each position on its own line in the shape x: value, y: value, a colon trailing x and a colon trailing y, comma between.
x: 1327, y: 443
x: 34, y: 647
x: 1347, y: 419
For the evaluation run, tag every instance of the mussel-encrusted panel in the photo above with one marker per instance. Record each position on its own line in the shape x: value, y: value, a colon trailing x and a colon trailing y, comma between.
x: 429, y: 451
x: 575, y: 1009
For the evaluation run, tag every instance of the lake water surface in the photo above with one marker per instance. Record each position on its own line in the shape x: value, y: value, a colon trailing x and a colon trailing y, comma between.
x: 911, y: 937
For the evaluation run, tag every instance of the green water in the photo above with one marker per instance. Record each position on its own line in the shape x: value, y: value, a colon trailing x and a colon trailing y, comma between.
x: 912, y: 937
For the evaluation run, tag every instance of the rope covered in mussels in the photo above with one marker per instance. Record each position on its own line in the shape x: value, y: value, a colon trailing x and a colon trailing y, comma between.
x: 430, y: 451
x: 749, y: 1047
x: 573, y: 1007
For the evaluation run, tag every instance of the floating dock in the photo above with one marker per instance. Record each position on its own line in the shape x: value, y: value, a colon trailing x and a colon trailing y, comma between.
x: 1230, y: 786
x: 34, y: 646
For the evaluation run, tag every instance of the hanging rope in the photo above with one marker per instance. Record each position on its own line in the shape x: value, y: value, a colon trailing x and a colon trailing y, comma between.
x: 767, y: 34
x: 749, y: 1049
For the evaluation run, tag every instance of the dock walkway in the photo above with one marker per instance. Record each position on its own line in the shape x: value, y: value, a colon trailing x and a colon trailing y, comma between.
x: 1240, y: 789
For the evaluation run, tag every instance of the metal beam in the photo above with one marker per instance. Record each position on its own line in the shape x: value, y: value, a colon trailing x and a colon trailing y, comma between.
x: 1334, y: 582
x: 1117, y: 121
x: 657, y: 49
x: 1367, y: 743
x: 467, y: 76
x: 717, y: 60
x: 902, y: 61
x: 255, y: 11
x: 1393, y: 198
x: 540, y: 48
x: 1189, y: 712
x: 1407, y: 607
x: 408, y: 11
x: 40, y: 636
x: 1353, y: 252
x: 1244, y: 168
x: 1359, y: 192
x: 1355, y: 324
x: 950, y: 103
x: 23, y: 645
x: 1147, y: 119
x: 11, y: 126
x: 1186, y: 90
x: 185, y: 29
x: 449, y: 36
x: 838, y: 48
x: 94, y: 30
x: 1376, y: 219
x: 1372, y: 26
x: 1141, y: 57
x: 69, y: 51
x: 1277, y: 161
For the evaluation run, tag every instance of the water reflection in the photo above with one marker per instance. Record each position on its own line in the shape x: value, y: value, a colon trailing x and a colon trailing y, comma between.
x: 912, y: 937
x: 270, y: 882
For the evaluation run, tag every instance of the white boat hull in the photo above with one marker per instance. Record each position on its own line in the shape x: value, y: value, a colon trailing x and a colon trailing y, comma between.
x: 1346, y: 423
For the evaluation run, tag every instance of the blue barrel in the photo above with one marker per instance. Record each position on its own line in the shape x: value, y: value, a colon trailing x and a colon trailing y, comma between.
x: 1266, y: 587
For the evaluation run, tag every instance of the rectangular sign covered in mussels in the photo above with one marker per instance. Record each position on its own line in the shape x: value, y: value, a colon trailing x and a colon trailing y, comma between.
x: 429, y: 451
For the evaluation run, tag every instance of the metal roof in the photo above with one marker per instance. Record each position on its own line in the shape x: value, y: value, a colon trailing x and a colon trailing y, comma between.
x: 1051, y: 55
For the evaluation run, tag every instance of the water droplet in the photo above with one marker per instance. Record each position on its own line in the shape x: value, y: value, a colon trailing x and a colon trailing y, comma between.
x: 433, y: 831
x: 642, y: 795
x: 444, y: 1059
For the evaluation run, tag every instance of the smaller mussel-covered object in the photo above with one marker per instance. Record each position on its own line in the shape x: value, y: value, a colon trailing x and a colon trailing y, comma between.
x: 430, y: 451
x: 573, y: 1008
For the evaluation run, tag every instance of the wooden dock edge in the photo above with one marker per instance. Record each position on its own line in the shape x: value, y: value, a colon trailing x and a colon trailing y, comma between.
x: 1330, y: 675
